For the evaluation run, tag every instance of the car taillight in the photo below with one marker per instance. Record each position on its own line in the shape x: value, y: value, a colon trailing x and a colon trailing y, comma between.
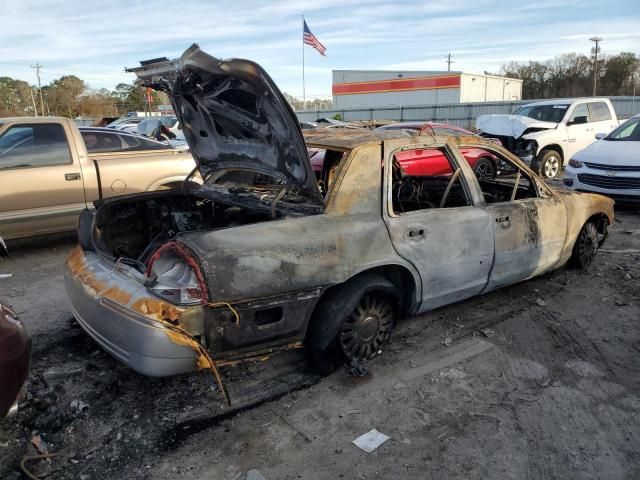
x: 174, y: 275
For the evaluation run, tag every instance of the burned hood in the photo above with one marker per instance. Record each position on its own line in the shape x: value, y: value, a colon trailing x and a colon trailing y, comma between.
x: 234, y: 118
x: 510, y: 125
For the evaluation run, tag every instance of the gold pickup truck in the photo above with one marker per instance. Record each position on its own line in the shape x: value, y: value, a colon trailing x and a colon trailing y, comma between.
x: 50, y: 170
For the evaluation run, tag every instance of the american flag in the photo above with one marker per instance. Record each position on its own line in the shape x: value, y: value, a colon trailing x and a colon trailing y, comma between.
x: 310, y: 39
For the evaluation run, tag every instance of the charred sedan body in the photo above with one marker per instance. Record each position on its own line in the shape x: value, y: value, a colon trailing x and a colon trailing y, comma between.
x: 257, y: 259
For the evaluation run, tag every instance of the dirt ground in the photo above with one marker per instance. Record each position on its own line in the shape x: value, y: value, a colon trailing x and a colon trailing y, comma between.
x: 538, y: 381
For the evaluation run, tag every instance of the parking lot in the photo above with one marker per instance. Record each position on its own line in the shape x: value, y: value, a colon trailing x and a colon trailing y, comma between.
x: 539, y: 380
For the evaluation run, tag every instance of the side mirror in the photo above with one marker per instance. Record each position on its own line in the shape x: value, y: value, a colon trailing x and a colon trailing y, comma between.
x: 600, y: 136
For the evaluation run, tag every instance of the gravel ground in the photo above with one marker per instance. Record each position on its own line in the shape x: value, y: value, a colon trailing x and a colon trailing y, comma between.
x: 539, y: 381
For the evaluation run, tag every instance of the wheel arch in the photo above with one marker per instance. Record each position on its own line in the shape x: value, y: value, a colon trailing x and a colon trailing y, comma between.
x: 553, y: 146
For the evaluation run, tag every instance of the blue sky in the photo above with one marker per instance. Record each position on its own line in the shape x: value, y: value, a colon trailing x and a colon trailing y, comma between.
x: 97, y: 39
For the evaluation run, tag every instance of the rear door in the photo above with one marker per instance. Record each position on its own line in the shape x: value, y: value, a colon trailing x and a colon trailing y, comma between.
x: 434, y: 225
x: 42, y: 187
x: 601, y: 117
x: 530, y: 223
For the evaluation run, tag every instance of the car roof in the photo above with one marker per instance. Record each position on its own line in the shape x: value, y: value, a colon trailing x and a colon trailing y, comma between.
x: 349, y: 138
x: 566, y: 101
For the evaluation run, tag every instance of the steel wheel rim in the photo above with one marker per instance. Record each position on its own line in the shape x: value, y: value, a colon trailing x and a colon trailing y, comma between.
x: 551, y: 166
x: 367, y: 328
x: 588, y: 245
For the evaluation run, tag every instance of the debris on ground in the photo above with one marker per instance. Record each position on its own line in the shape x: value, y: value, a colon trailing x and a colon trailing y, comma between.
x: 78, y: 406
x: 254, y: 474
x: 370, y: 440
x: 358, y: 367
x: 540, y: 302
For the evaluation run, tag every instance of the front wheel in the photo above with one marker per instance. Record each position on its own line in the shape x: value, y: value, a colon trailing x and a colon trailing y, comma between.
x: 550, y: 164
x: 586, y: 247
x: 354, y: 321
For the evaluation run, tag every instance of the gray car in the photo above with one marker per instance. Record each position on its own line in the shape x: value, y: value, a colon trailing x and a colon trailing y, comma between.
x: 258, y: 260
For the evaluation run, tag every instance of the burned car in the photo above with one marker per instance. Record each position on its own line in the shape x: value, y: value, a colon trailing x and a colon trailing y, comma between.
x: 257, y: 259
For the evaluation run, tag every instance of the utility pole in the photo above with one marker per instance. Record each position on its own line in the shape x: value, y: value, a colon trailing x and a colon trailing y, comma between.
x: 37, y: 66
x: 595, y: 50
x: 449, y: 62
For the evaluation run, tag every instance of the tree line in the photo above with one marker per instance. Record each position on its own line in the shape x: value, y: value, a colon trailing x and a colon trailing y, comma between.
x: 70, y: 96
x: 571, y: 75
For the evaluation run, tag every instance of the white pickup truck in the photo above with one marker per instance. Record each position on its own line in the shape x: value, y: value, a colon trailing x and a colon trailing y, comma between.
x: 546, y: 134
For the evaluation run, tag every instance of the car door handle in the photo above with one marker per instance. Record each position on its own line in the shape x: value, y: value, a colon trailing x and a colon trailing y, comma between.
x: 71, y: 176
x: 416, y: 233
x: 503, y: 221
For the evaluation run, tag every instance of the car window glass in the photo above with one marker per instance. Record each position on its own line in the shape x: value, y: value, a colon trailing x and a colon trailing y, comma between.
x: 426, y: 178
x: 629, y: 131
x: 580, y: 114
x: 599, y: 112
x: 34, y: 145
x: 510, y: 182
x: 101, y: 142
x: 132, y: 142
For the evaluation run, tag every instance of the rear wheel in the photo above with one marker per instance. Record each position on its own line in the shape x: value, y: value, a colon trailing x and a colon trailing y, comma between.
x: 485, y: 169
x: 586, y: 247
x: 354, y: 321
x: 549, y: 164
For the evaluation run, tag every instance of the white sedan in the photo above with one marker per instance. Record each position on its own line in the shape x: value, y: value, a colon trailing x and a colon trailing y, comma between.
x: 610, y: 166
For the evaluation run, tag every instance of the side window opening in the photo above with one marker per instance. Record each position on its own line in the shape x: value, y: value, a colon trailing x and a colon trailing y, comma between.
x: 579, y: 115
x: 599, y: 112
x: 426, y: 178
x: 34, y: 145
x: 509, y: 184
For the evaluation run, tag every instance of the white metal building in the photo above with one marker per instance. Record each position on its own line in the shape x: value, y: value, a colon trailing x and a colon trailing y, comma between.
x: 379, y: 88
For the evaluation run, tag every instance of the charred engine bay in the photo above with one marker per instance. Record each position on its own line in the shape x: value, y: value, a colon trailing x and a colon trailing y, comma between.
x: 135, y: 228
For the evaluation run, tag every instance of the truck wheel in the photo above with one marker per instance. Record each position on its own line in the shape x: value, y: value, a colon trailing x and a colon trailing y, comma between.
x: 549, y: 163
x: 586, y: 247
x: 485, y: 169
x: 354, y: 321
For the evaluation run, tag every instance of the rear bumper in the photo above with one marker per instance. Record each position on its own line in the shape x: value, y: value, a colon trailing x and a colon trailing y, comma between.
x: 102, y: 301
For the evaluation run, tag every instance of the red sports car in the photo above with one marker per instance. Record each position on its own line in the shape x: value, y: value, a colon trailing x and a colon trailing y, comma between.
x: 483, y: 163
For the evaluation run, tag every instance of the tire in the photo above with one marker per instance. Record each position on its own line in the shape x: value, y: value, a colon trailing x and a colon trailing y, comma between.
x: 484, y: 169
x: 549, y: 163
x: 586, y: 247
x: 353, y: 320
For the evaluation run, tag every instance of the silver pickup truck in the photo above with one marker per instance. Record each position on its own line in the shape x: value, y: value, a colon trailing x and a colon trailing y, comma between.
x: 50, y: 170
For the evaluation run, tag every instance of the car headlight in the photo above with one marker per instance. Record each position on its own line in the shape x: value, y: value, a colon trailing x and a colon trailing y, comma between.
x: 575, y: 163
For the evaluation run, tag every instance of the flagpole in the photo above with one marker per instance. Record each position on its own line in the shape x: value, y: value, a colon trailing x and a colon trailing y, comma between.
x: 304, y: 96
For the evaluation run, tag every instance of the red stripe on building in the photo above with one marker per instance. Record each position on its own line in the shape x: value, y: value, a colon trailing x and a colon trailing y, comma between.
x: 395, y: 85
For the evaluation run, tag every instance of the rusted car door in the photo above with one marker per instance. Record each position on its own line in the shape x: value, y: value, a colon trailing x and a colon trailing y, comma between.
x: 42, y: 186
x: 451, y: 244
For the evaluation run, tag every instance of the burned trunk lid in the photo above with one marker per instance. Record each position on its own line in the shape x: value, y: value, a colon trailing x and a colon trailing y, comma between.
x: 234, y: 118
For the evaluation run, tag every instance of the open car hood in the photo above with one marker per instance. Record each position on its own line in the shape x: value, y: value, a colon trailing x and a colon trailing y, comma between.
x: 235, y: 118
x: 509, y: 125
